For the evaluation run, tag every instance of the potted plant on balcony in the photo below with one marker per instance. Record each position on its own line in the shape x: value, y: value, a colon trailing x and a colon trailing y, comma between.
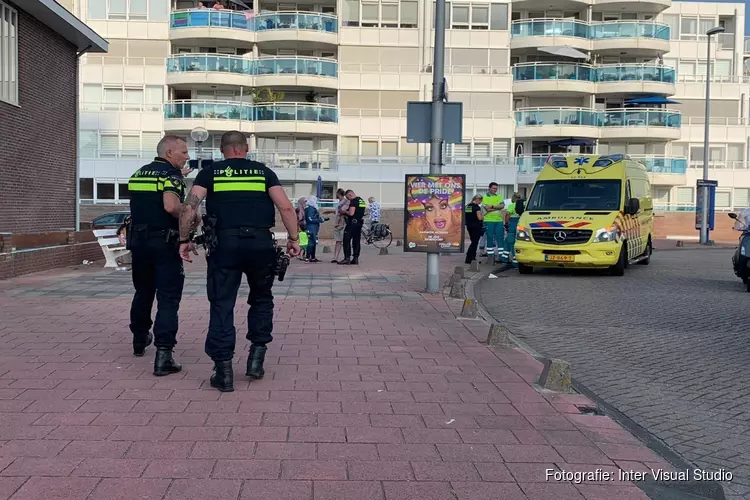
x: 267, y: 95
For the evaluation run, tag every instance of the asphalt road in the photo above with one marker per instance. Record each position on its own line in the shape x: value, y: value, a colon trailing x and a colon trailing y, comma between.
x: 667, y: 344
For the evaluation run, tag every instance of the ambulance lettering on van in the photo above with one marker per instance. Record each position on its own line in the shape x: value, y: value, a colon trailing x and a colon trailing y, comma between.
x: 587, y: 212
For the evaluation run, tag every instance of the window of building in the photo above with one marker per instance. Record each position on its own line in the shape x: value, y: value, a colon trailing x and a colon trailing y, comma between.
x: 88, y: 142
x: 122, y: 192
x: 86, y: 189
x: 105, y: 191
x: 477, y: 16
x: 684, y: 195
x: 389, y: 149
x: 723, y: 199
x: 350, y: 13
x: 133, y: 10
x: 8, y: 54
x: 499, y: 16
x: 673, y: 21
x: 369, y: 148
x: 741, y: 197
x: 383, y: 14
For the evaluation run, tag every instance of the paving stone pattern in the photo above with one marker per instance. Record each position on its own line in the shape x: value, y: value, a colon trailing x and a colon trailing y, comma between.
x: 382, y: 396
x: 666, y: 344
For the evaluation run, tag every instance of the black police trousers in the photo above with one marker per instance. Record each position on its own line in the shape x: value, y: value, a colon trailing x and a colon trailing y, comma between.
x: 253, y: 255
x: 352, y: 239
x: 157, y: 272
x: 475, y: 234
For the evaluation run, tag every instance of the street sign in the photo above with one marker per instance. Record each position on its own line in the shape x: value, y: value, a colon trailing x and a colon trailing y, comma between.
x: 419, y: 122
x: 700, y: 185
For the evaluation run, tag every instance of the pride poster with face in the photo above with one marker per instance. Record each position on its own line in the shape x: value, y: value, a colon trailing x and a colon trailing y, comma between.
x: 434, y: 213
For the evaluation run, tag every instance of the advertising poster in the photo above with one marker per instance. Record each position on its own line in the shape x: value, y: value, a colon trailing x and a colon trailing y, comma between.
x: 434, y: 213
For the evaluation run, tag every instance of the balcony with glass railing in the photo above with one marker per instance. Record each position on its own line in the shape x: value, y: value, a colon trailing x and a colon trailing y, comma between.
x: 286, y: 117
x: 532, y: 76
x: 614, y: 123
x: 316, y: 71
x: 595, y: 32
x: 249, y: 22
x: 533, y: 163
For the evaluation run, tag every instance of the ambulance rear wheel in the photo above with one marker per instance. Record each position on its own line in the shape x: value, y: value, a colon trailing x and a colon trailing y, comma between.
x: 619, y: 268
x: 524, y: 269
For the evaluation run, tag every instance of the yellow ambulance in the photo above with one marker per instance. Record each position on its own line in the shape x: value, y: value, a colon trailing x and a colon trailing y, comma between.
x: 587, y: 211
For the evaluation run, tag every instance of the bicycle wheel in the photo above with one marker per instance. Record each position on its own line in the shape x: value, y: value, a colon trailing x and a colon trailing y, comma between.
x: 364, y: 236
x: 383, y: 242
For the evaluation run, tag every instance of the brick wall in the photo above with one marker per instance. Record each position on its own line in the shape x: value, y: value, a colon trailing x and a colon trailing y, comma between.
x: 79, y: 246
x: 683, y: 224
x: 38, y: 157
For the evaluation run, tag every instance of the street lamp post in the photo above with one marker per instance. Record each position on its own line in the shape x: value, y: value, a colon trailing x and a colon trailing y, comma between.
x: 705, y: 198
x: 436, y: 136
x: 199, y: 135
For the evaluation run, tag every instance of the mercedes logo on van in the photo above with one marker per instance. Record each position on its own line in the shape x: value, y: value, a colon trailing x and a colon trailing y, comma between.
x: 560, y: 236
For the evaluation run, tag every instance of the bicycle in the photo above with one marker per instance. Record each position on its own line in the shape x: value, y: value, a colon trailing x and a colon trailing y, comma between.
x: 382, y: 240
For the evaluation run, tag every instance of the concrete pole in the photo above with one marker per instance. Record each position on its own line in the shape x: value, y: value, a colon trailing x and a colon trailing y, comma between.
x: 705, y: 197
x: 436, y: 140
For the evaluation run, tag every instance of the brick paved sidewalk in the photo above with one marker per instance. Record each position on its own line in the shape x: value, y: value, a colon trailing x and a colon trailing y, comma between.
x: 384, y: 397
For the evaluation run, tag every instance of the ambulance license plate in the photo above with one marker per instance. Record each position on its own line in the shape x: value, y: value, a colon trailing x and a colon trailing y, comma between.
x: 560, y: 258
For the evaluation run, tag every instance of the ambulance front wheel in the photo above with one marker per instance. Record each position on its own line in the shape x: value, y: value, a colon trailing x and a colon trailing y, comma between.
x: 524, y: 269
x: 619, y: 268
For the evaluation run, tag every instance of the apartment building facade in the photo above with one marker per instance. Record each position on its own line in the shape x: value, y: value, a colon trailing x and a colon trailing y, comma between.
x: 320, y: 88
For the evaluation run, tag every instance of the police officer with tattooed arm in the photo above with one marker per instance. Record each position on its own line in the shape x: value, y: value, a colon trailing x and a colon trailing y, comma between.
x: 240, y: 198
x: 156, y: 194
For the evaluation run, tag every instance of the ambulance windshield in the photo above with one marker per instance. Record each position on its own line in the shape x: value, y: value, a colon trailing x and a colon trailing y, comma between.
x: 576, y: 195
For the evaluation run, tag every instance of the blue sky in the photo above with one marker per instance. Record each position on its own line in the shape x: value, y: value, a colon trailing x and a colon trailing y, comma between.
x: 747, y: 11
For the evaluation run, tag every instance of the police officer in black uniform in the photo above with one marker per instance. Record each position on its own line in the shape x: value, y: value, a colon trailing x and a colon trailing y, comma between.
x: 240, y: 198
x: 353, y: 229
x: 156, y: 194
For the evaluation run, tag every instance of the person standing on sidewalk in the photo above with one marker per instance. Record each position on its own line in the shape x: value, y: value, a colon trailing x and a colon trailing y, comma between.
x: 493, y: 221
x: 157, y: 191
x: 340, y: 222
x: 241, y: 201
x: 475, y: 226
x: 313, y: 220
x: 353, y: 231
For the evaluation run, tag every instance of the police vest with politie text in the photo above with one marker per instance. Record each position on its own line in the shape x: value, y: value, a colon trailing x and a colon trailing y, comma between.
x: 238, y: 193
x: 359, y: 208
x: 146, y: 187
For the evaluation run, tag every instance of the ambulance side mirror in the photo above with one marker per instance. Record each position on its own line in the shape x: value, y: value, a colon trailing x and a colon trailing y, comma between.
x: 634, y: 205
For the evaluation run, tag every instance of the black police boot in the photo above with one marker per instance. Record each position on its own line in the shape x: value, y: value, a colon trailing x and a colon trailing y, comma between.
x: 164, y: 363
x: 354, y: 262
x: 345, y: 262
x: 139, y: 345
x: 255, y: 361
x: 223, y: 376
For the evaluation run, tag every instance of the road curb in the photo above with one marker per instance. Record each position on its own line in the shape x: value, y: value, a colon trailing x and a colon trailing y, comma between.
x: 656, y: 490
